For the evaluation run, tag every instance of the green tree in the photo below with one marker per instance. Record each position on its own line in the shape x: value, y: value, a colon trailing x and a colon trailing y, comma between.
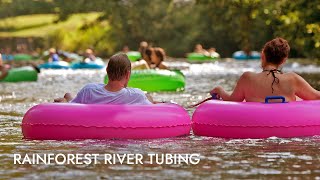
x: 177, y: 25
x: 298, y: 22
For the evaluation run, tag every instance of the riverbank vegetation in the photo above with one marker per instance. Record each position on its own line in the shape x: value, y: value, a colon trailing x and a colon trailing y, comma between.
x: 176, y: 25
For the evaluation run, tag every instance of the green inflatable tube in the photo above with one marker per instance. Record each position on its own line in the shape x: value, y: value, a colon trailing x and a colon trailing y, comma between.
x: 134, y: 55
x: 22, y: 57
x: 21, y: 74
x: 156, y: 80
x: 201, y: 57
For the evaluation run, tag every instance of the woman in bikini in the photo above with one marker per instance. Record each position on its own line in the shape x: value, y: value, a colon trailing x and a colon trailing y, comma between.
x: 271, y: 81
x: 157, y: 58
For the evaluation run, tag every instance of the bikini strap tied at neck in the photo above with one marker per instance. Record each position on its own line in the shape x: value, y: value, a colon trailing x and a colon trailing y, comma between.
x: 275, y: 79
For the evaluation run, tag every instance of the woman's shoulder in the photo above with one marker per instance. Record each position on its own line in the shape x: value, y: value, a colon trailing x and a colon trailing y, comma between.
x: 292, y: 76
x: 248, y: 74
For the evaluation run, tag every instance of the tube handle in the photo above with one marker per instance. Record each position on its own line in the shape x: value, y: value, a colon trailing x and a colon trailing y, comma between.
x: 214, y: 96
x: 274, y: 97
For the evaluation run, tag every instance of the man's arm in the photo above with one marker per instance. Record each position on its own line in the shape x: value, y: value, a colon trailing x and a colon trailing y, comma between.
x: 150, y: 98
x: 66, y: 98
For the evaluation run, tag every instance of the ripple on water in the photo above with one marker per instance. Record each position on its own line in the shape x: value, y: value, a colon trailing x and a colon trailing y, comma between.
x: 220, y: 158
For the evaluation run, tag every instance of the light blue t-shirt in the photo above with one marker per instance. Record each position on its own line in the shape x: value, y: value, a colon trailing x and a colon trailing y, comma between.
x: 95, y: 93
x: 55, y: 58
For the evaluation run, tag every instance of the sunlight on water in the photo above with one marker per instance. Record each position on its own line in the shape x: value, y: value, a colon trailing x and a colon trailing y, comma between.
x: 220, y: 158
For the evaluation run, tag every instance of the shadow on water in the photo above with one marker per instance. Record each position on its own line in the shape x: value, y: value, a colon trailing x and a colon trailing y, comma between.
x: 220, y: 158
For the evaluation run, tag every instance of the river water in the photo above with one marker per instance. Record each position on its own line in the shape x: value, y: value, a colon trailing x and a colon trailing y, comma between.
x: 219, y: 158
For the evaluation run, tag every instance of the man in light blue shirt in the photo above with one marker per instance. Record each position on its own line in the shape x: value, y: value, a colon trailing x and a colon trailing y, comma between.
x: 54, y: 57
x: 115, y: 92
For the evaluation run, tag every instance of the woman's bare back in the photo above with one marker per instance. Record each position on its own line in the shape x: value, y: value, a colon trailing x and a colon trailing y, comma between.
x: 259, y: 85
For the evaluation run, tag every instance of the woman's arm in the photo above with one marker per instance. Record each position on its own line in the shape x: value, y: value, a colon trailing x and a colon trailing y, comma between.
x: 303, y: 89
x: 142, y: 64
x: 162, y: 65
x: 238, y: 92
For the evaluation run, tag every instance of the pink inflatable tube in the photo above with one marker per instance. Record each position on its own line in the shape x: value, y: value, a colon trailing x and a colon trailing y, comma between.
x: 257, y: 120
x: 54, y: 121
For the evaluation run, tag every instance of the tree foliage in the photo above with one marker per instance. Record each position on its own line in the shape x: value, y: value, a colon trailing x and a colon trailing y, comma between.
x: 177, y: 25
